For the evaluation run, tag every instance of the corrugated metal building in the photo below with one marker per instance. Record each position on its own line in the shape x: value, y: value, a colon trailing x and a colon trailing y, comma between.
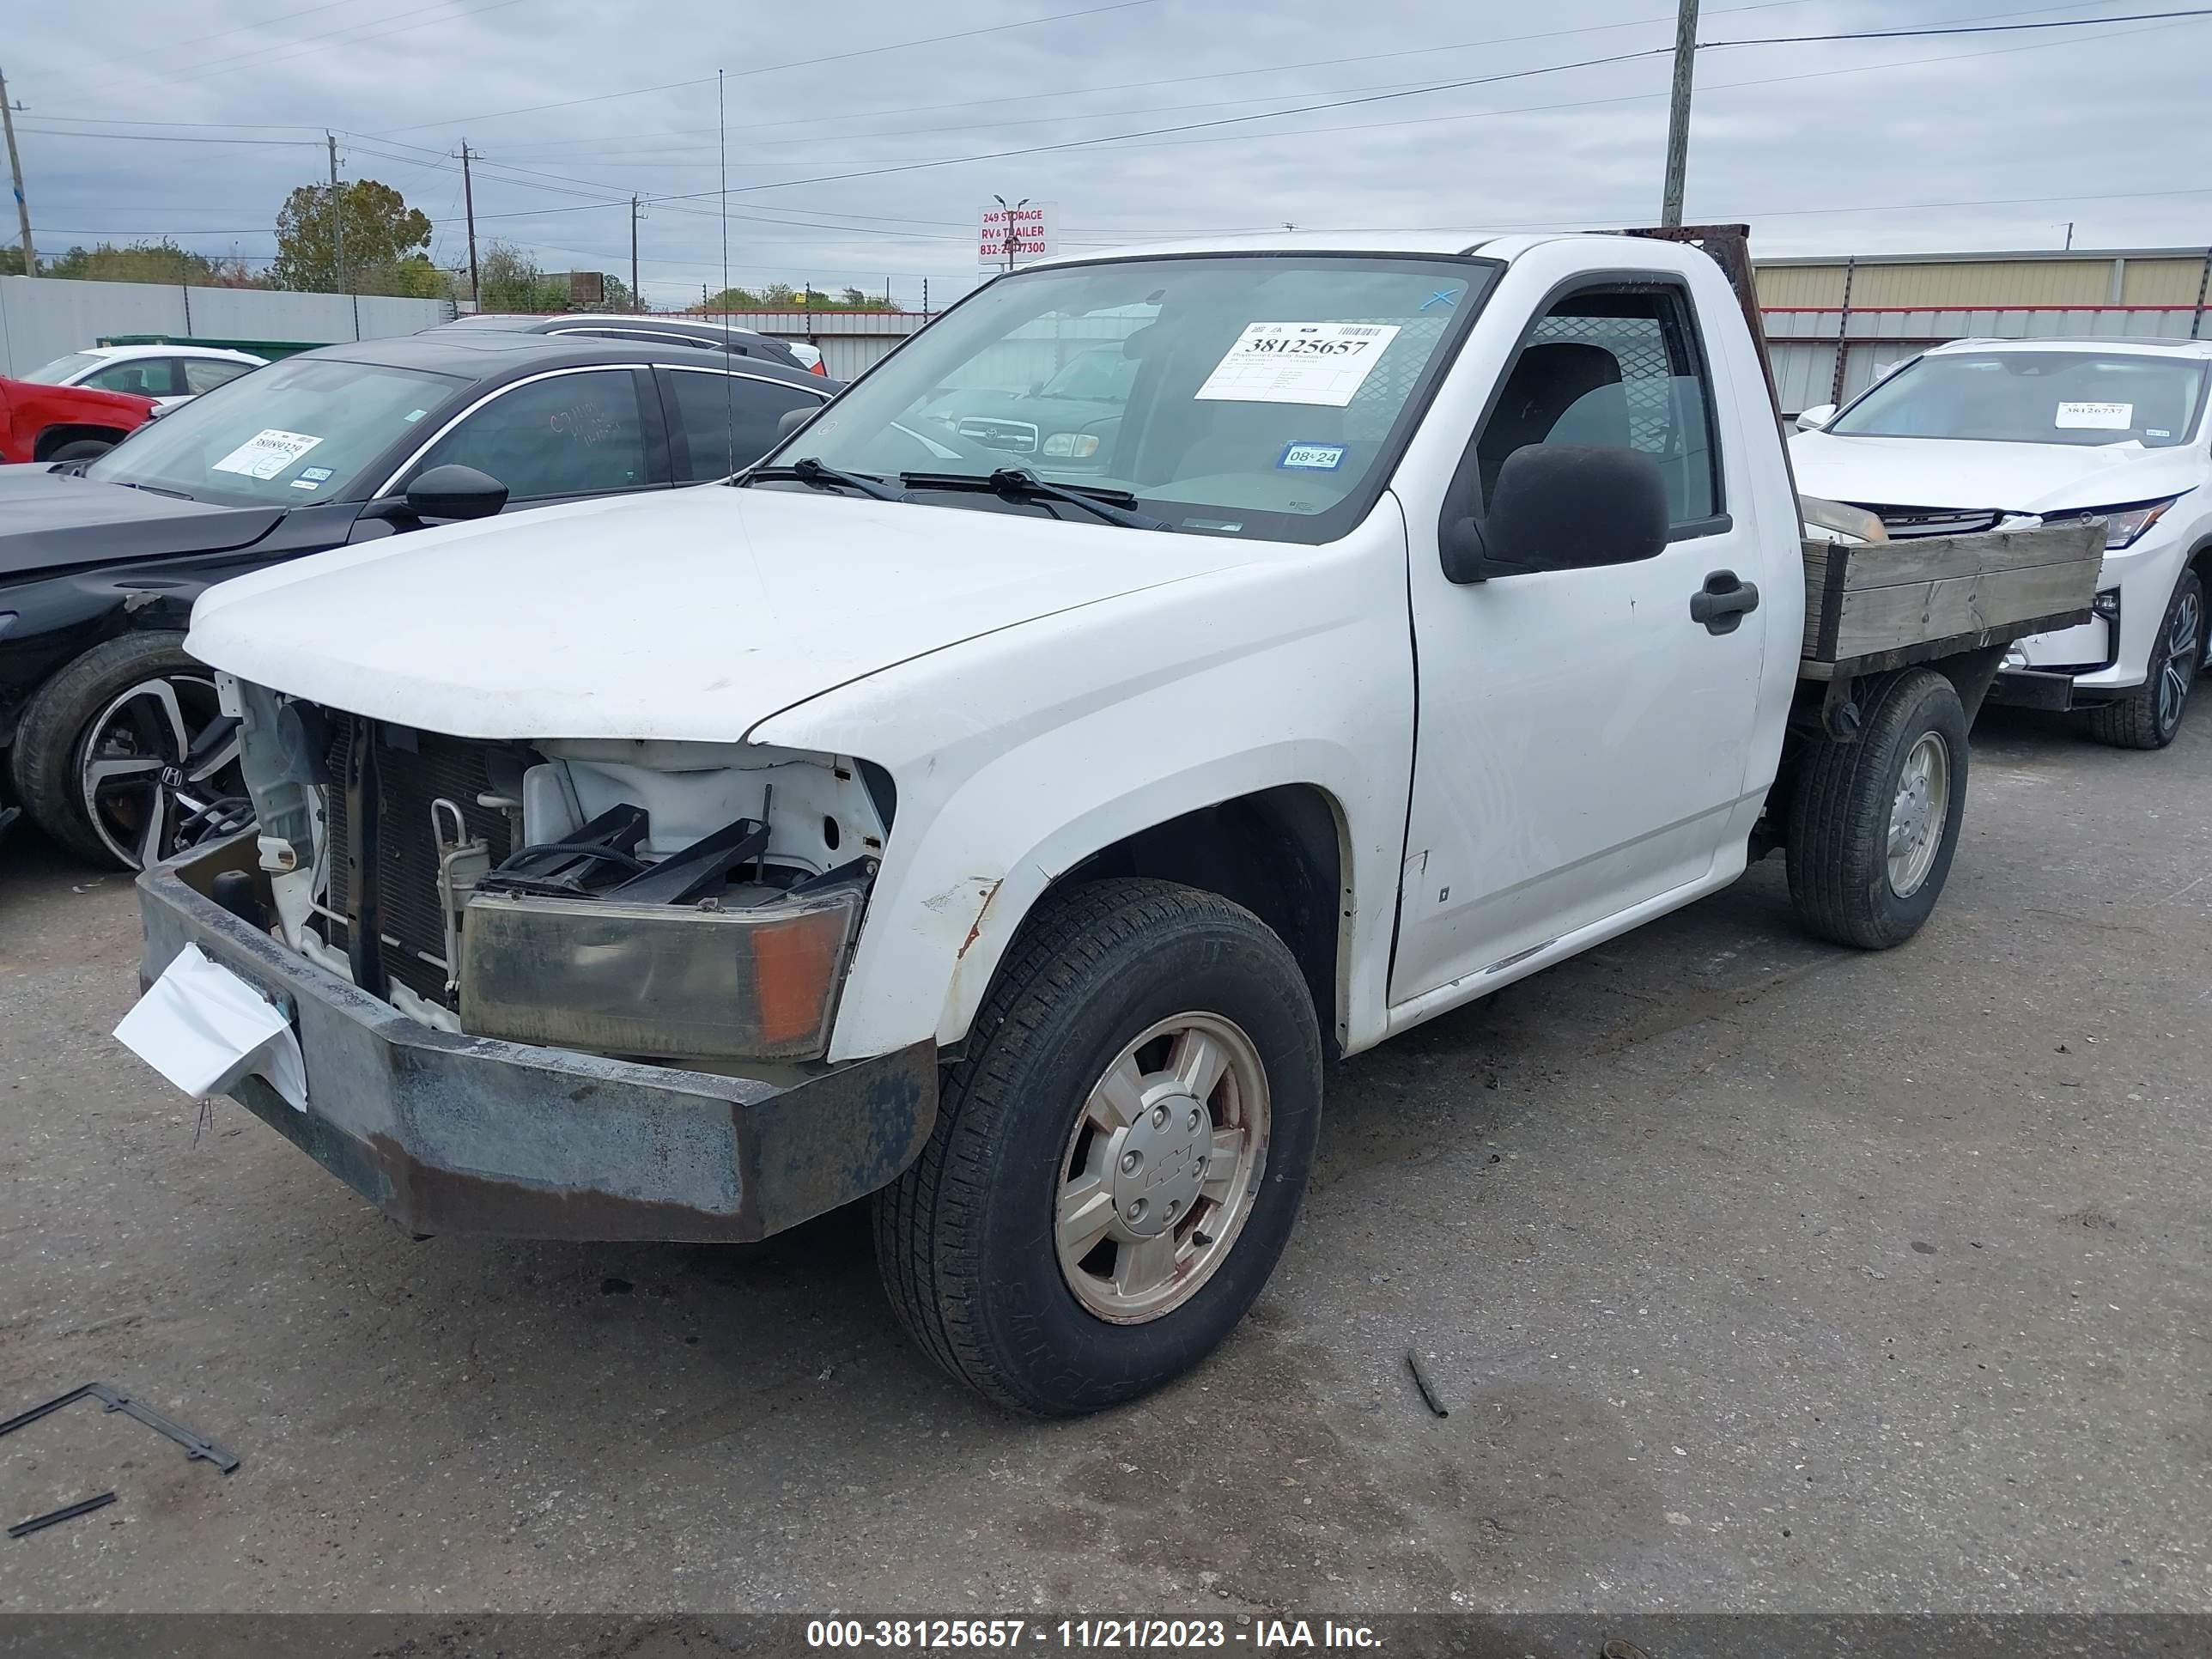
x: 1833, y: 324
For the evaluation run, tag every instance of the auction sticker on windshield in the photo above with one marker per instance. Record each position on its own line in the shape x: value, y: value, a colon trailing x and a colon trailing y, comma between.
x: 2098, y: 417
x: 266, y: 453
x: 1298, y: 363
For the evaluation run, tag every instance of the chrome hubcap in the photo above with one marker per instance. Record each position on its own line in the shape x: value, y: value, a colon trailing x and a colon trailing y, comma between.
x: 146, y: 799
x: 1918, y: 813
x: 2184, y: 640
x: 1160, y: 1171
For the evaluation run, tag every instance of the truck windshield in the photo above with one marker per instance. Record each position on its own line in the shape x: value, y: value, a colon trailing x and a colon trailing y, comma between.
x: 299, y: 431
x: 1253, y: 395
x: 2034, y: 398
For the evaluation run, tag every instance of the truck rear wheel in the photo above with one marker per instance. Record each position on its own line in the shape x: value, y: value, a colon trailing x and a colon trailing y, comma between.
x: 1874, y: 822
x: 1118, y: 1161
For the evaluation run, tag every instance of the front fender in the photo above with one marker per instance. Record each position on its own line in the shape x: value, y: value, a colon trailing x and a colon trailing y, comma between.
x: 1019, y: 755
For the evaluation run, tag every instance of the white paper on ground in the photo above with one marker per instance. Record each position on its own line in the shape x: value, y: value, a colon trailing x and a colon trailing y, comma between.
x: 203, y: 1027
x: 1322, y: 363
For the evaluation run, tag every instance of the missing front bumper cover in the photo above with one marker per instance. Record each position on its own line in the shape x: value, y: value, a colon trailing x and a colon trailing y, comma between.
x: 460, y: 1135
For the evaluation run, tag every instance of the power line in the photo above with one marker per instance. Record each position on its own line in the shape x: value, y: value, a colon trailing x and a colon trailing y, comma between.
x: 772, y: 68
x: 1976, y: 29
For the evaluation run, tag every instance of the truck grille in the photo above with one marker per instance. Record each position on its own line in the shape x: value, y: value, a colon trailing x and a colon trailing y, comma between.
x: 413, y: 768
x: 1019, y: 436
x: 1903, y: 522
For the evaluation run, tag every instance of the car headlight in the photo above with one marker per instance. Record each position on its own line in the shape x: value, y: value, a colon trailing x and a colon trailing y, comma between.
x: 2106, y: 603
x: 2126, y: 525
x: 1071, y: 445
x: 754, y: 982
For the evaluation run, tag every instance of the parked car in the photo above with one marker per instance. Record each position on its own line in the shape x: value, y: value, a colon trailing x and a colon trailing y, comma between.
x: 650, y: 330
x: 77, y: 406
x: 1985, y: 435
x: 111, y: 732
x: 1068, y: 419
x: 1016, y: 847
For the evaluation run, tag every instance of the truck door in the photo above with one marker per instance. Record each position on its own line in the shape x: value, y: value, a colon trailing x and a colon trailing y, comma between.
x: 1583, y: 741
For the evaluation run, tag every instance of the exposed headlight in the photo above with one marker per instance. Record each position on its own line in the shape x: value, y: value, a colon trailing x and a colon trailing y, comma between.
x: 2124, y: 525
x: 1071, y: 445
x: 755, y: 983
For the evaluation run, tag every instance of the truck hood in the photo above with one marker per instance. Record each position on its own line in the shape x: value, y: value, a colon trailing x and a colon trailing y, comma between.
x: 2012, y: 477
x: 693, y: 614
x: 52, y: 521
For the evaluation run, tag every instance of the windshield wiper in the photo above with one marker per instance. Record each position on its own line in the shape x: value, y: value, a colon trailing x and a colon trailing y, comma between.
x: 1018, y: 482
x: 151, y: 490
x: 812, y: 473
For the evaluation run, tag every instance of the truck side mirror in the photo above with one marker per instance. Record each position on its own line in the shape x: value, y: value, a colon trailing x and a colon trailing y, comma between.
x: 793, y: 419
x: 1816, y: 418
x: 452, y: 491
x: 1561, y: 507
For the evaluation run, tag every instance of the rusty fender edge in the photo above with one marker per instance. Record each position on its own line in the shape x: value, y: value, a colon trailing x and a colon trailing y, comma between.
x: 459, y: 1134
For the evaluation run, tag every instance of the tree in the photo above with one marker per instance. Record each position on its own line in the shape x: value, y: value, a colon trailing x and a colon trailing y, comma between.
x: 507, y: 279
x: 381, y: 233
x: 11, y: 262
x: 146, y: 262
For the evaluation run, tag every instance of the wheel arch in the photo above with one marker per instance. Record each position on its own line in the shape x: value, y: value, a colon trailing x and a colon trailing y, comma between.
x: 53, y: 437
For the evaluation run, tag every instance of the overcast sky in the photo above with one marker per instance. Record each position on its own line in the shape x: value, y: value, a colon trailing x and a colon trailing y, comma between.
x: 1826, y: 147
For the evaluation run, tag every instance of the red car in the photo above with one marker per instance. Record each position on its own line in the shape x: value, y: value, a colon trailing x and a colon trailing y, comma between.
x: 80, y: 405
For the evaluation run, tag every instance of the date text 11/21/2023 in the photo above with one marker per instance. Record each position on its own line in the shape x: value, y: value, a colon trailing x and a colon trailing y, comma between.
x: 1084, y: 1634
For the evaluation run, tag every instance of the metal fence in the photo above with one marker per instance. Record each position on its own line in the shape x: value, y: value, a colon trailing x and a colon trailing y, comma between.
x: 1829, y: 354
x: 42, y: 318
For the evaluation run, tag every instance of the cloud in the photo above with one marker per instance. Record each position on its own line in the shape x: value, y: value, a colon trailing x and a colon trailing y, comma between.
x: 1971, y: 141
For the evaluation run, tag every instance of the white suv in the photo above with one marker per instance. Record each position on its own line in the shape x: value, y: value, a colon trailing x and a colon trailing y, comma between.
x: 2003, y: 434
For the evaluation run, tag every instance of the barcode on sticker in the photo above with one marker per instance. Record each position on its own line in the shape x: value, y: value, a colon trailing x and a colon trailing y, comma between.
x: 1369, y: 332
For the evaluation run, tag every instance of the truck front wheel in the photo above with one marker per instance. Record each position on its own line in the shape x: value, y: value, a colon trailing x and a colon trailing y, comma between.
x: 1874, y: 822
x: 1118, y: 1160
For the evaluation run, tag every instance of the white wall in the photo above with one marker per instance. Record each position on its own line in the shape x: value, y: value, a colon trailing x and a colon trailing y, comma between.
x: 43, y: 317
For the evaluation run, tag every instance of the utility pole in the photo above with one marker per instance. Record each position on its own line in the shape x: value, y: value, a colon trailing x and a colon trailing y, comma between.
x: 636, y: 299
x: 338, y: 213
x: 1012, y: 237
x: 15, y: 174
x: 1677, y: 114
x: 469, y: 200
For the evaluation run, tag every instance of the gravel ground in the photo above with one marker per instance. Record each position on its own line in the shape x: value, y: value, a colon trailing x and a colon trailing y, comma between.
x: 1755, y: 1274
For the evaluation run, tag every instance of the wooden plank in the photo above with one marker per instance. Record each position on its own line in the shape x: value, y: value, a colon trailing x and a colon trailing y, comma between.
x: 1931, y: 650
x: 1866, y: 600
x: 1881, y: 618
x: 1927, y: 558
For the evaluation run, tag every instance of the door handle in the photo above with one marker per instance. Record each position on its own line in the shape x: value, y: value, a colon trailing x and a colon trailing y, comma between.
x: 1723, y: 601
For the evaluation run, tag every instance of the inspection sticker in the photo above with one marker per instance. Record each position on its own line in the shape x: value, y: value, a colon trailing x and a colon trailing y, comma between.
x: 2101, y: 418
x: 1312, y: 458
x: 267, y: 453
x: 1322, y: 363
x: 316, y: 474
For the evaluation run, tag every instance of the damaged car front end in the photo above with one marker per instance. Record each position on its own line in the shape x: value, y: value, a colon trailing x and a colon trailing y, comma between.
x: 549, y: 988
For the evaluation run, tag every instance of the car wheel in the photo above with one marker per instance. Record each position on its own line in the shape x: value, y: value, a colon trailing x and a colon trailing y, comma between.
x: 125, y: 759
x: 1118, y: 1161
x: 1874, y: 822
x: 81, y: 449
x: 2149, y: 718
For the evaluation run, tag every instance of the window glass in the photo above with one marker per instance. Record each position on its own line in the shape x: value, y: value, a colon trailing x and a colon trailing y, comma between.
x: 2034, y: 397
x: 1258, y: 395
x: 206, y: 374
x: 727, y: 420
x: 304, y: 430
x: 1613, y: 370
x: 62, y: 370
x: 568, y: 435
x: 141, y: 377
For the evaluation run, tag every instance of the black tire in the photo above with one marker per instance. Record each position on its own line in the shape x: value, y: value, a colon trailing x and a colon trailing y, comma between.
x: 50, y: 740
x: 1839, y: 818
x: 80, y: 449
x: 965, y: 1239
x: 2144, y: 718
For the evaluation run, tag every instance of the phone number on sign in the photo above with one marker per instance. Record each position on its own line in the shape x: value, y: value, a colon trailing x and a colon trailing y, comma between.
x: 903, y: 1633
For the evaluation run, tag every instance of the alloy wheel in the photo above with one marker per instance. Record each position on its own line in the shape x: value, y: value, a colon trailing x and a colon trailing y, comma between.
x: 153, y: 779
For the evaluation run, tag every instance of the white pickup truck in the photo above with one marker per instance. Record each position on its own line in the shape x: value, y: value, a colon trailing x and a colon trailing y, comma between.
x: 1012, y: 832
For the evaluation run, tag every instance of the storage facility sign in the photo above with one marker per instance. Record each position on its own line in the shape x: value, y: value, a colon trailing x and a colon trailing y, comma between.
x: 1031, y: 228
